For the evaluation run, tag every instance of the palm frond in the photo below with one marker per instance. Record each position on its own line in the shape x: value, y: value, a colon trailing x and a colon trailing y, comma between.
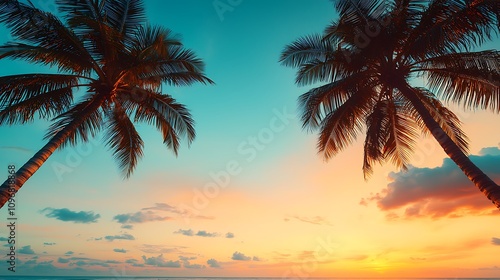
x: 74, y: 10
x: 453, y: 25
x: 18, y: 88
x: 306, y: 49
x: 48, y: 38
x: 82, y: 121
x: 377, y: 134
x: 340, y: 127
x: 472, y: 78
x: 171, y: 118
x: 402, y: 131
x: 46, y: 104
x: 123, y: 139
x: 157, y: 56
x: 319, y: 101
x: 125, y: 15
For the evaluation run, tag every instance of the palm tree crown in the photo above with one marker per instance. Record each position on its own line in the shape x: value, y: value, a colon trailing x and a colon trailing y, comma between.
x: 366, y: 60
x: 106, y: 48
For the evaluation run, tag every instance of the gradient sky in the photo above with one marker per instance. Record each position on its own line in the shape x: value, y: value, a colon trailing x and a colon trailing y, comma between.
x: 250, y: 196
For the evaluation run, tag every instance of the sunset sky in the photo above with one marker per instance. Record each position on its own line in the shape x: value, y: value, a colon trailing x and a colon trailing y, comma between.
x: 250, y: 196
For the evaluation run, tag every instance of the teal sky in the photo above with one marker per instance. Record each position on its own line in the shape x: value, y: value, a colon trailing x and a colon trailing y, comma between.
x: 283, y: 196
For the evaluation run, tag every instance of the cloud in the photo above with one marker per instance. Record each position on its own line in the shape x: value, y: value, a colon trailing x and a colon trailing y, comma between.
x: 256, y: 259
x: 492, y: 151
x: 495, y: 241
x: 177, y: 210
x: 443, y: 191
x: 187, y: 264
x: 69, y: 253
x: 161, y: 262
x: 204, y: 233
x: 490, y: 268
x: 316, y: 220
x: 3, y: 238
x: 164, y: 207
x: 237, y: 256
x: 160, y: 249
x: 213, y: 263
x: 61, y: 260
x: 186, y: 232
x: 49, y: 243
x: 66, y: 215
x: 127, y: 226
x: 190, y: 232
x: 139, y: 217
x: 124, y: 236
x: 89, y: 262
x: 26, y: 250
x: 120, y: 250
x: 229, y: 235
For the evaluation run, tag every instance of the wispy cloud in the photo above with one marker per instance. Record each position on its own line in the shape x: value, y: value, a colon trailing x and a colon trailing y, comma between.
x: 160, y: 261
x: 139, y: 217
x: 176, y: 210
x: 316, y: 220
x: 124, y: 236
x: 66, y: 215
x: 160, y: 249
x: 16, y: 149
x: 442, y: 191
x: 190, y: 232
x: 229, y: 235
x: 119, y: 250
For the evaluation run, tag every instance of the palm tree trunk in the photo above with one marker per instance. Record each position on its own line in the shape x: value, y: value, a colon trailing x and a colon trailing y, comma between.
x: 8, y: 188
x: 485, y: 184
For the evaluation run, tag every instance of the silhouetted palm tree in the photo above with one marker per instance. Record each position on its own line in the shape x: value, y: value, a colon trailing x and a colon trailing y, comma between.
x: 366, y: 60
x: 105, y: 48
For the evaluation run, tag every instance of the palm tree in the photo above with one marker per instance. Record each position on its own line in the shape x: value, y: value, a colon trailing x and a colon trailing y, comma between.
x: 106, y: 48
x: 366, y: 60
